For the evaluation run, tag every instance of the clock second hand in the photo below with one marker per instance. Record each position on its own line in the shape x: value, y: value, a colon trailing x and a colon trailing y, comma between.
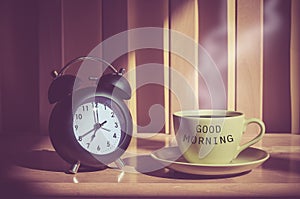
x: 105, y: 129
x: 80, y: 137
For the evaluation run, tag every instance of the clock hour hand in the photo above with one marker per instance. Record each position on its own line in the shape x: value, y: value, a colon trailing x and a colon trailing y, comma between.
x: 99, y: 125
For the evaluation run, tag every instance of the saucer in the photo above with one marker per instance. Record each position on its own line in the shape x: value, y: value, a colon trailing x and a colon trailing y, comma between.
x: 246, y: 161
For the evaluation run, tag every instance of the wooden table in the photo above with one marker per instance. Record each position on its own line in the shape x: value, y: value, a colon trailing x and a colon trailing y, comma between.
x: 31, y: 168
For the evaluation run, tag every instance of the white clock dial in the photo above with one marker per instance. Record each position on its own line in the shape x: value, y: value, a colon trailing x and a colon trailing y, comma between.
x: 97, y: 128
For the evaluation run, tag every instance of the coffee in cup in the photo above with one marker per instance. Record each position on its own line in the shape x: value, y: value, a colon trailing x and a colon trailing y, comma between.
x: 212, y: 136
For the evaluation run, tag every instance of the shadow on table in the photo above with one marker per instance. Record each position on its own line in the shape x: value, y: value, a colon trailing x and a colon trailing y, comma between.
x: 14, y: 187
x: 46, y: 160
x: 283, y: 164
x: 41, y: 160
x: 147, y: 165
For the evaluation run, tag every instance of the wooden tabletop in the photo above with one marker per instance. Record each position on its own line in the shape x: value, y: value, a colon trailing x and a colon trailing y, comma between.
x: 31, y: 168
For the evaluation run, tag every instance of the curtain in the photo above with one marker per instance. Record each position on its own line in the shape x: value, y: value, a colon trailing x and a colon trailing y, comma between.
x: 254, y: 45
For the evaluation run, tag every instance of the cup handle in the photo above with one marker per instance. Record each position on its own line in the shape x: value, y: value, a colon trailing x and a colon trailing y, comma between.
x: 257, y: 138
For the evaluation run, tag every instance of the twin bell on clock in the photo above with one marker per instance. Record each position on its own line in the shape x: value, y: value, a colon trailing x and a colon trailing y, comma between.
x: 90, y: 126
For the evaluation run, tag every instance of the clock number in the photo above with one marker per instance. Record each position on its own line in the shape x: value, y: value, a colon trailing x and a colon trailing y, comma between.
x: 98, y: 148
x: 112, y: 114
x: 104, y: 106
x: 78, y: 116
x: 116, y: 125
x: 79, y: 138
x: 85, y: 108
x: 108, y: 144
x: 88, y: 145
x: 76, y: 127
x: 115, y: 135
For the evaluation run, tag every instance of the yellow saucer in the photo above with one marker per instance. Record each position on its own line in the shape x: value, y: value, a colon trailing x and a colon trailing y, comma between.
x: 246, y: 161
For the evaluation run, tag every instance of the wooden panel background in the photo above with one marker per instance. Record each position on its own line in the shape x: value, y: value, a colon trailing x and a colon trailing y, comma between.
x: 255, y: 45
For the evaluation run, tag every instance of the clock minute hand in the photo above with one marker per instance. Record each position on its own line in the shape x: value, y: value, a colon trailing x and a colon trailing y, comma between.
x: 95, y: 113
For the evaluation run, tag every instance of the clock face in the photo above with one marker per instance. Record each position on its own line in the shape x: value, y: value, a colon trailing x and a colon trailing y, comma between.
x: 97, y: 127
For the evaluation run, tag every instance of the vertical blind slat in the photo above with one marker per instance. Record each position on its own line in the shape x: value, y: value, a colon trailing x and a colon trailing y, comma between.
x: 50, y: 54
x: 183, y: 18
x: 149, y: 94
x: 295, y: 66
x: 19, y: 63
x: 276, y: 101
x: 213, y: 37
x: 249, y: 58
x: 166, y: 62
x: 231, y: 48
x: 131, y: 65
x: 80, y: 31
x: 112, y: 25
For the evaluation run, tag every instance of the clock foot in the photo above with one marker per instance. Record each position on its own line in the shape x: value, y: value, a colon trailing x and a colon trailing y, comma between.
x: 120, y: 163
x: 74, y: 168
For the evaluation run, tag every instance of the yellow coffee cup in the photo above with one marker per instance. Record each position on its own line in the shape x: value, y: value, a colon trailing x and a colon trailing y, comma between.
x: 212, y: 136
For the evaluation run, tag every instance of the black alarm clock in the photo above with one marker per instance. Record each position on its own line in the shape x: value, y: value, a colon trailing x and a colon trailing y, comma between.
x: 90, y: 126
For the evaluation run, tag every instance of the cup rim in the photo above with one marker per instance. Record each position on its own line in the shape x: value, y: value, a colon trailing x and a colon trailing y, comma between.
x: 193, y: 114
